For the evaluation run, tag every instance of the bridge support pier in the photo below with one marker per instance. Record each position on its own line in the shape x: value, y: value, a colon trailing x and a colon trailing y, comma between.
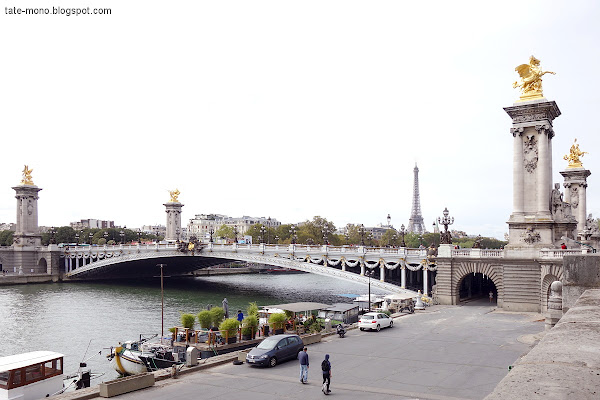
x: 362, y: 269
x: 382, y: 273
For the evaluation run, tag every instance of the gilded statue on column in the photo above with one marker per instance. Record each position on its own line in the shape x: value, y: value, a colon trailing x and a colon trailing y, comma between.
x: 27, y: 179
x: 573, y: 156
x: 174, y: 195
x: 531, y: 79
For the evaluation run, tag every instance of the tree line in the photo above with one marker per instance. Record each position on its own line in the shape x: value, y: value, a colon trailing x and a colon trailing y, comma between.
x: 66, y: 234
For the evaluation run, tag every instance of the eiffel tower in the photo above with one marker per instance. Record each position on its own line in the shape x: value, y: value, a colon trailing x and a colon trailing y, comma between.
x: 415, y: 222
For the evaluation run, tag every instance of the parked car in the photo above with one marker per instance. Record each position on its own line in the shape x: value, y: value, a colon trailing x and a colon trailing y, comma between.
x: 374, y: 320
x: 275, y: 349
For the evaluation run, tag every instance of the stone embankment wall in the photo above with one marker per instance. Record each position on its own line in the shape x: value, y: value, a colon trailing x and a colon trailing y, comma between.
x: 566, y: 362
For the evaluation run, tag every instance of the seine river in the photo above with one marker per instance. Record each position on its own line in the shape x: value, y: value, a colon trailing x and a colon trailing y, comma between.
x: 80, y: 320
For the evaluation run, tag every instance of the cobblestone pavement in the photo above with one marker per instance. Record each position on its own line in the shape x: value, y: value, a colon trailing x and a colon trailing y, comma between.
x: 444, y: 352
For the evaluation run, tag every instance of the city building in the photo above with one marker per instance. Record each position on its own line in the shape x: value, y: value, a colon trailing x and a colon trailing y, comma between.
x: 92, y: 224
x: 202, y: 224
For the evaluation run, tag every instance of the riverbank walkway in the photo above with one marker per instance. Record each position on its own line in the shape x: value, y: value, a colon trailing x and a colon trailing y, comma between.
x: 442, y: 353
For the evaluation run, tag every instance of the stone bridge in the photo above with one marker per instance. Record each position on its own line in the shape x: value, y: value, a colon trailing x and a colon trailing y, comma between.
x: 387, y: 266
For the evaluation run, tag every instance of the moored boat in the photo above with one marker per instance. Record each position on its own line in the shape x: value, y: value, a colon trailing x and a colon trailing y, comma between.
x: 32, y: 375
x: 138, y: 356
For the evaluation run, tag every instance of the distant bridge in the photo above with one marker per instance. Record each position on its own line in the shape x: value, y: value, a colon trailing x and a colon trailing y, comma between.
x: 344, y: 262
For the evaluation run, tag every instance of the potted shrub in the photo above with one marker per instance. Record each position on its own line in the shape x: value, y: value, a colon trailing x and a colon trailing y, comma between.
x: 188, y: 321
x: 249, y: 327
x: 229, y: 329
x: 217, y: 315
x: 253, y: 309
x: 277, y: 322
x: 204, y: 319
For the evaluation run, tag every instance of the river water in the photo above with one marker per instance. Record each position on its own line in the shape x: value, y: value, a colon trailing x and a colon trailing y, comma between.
x: 80, y: 320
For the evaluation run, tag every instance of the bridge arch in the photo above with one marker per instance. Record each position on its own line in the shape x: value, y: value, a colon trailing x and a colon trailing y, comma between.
x: 493, y: 272
x: 42, y: 265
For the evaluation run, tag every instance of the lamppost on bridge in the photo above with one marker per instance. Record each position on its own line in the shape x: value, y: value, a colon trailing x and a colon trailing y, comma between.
x: 369, y: 274
x: 105, y: 237
x: 77, y: 237
x: 347, y: 237
x: 325, y: 235
x: 361, y: 232
x: 211, y: 232
x: 276, y: 239
x: 177, y: 231
x: 393, y: 239
x: 91, y: 237
x: 139, y: 234
x: 263, y: 231
x: 402, y: 232
x: 122, y: 234
x: 446, y: 237
x: 293, y: 234
x: 52, y: 235
x: 235, y: 234
x: 420, y: 240
x: 269, y: 230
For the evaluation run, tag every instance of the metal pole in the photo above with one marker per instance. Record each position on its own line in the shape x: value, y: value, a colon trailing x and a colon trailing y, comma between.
x: 162, y: 303
x: 369, y: 275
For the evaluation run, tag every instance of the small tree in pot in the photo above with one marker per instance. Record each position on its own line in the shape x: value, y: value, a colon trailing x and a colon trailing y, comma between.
x: 229, y: 328
x: 204, y: 319
x: 188, y: 321
x: 277, y: 322
x: 249, y: 327
x: 217, y: 314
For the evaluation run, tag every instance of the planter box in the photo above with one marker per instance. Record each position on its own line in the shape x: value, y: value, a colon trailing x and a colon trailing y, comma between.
x: 310, y: 339
x: 242, y: 354
x: 126, y: 385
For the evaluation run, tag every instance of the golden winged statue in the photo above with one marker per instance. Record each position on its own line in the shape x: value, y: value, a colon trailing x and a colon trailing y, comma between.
x: 27, y: 180
x: 174, y: 195
x: 573, y: 156
x: 531, y: 79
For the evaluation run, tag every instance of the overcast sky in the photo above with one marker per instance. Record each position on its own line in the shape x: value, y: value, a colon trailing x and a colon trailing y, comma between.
x: 287, y: 109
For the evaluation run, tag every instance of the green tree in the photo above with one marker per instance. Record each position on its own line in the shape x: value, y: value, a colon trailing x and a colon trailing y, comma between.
x: 6, y: 238
x: 225, y: 232
x: 312, y: 231
x: 390, y: 238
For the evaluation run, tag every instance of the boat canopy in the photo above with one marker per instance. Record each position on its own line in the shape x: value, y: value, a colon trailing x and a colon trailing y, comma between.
x: 300, y: 307
x: 17, y: 361
x: 399, y: 296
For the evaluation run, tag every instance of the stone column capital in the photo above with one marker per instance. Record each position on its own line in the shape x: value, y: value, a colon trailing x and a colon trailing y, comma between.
x: 517, y: 131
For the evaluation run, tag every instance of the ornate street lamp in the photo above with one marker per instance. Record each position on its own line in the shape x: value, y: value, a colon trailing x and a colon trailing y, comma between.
x: 91, y: 237
x: 446, y: 237
x: 122, y: 234
x: 369, y: 274
x: 177, y: 234
x: 325, y: 235
x: 347, y: 236
x: 276, y: 239
x: 293, y: 234
x: 105, y: 237
x: 211, y: 231
x: 361, y: 231
x: 52, y: 235
x: 263, y: 230
x: 235, y: 234
x: 139, y: 234
x: 394, y: 238
x: 77, y: 237
x: 402, y: 232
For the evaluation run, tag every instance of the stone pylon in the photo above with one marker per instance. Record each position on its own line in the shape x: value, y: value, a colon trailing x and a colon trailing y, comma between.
x: 27, y: 233
x: 575, y: 183
x: 173, y: 210
x: 540, y: 217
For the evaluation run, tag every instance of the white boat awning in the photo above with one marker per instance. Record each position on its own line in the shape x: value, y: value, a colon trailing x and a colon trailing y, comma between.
x: 300, y: 307
x: 9, y: 363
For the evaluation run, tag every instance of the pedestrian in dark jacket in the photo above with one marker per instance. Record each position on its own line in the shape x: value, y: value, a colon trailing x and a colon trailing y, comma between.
x: 303, y: 357
x: 326, y: 367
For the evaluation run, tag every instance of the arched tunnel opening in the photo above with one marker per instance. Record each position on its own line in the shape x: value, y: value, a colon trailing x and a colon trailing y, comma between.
x: 477, y: 286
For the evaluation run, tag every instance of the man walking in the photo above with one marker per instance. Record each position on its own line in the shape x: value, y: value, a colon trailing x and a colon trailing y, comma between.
x: 303, y: 357
x: 326, y: 367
